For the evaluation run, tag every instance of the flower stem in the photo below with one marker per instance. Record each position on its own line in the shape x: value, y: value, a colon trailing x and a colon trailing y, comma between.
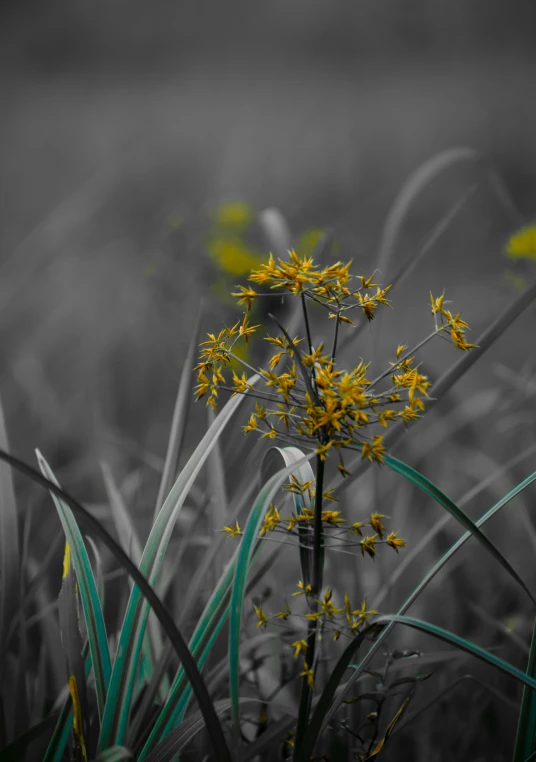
x: 316, y: 586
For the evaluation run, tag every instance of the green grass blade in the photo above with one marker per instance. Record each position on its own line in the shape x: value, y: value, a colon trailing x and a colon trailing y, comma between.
x: 430, y: 488
x: 124, y: 671
x: 215, y: 732
x: 96, y: 630
x: 462, y: 643
x: 178, y: 422
x: 256, y: 516
x: 526, y: 728
x: 9, y: 548
x: 419, y: 589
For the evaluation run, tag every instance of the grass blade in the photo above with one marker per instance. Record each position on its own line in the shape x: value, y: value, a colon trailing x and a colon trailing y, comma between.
x: 415, y: 184
x: 124, y: 671
x: 96, y: 630
x: 9, y: 548
x: 429, y: 488
x: 215, y: 731
x: 526, y: 728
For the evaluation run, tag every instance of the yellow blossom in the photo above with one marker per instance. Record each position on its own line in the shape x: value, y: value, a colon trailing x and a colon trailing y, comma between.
x: 263, y: 619
x: 232, y: 531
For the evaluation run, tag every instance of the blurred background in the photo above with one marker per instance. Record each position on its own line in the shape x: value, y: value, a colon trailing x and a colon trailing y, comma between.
x: 125, y: 124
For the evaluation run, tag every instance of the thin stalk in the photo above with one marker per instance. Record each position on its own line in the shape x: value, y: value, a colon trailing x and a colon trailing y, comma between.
x: 316, y: 585
x: 335, y: 337
x: 307, y: 326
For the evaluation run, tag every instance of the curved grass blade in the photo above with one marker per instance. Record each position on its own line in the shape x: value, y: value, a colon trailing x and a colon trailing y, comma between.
x: 427, y: 486
x: 96, y: 630
x: 430, y: 489
x: 117, y: 708
x: 245, y: 549
x: 9, y: 548
x: 217, y: 738
x: 419, y: 589
x: 526, y: 728
x: 415, y: 184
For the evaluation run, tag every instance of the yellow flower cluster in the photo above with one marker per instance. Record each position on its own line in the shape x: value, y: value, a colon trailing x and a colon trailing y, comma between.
x: 343, y: 620
x: 341, y: 539
x: 307, y: 399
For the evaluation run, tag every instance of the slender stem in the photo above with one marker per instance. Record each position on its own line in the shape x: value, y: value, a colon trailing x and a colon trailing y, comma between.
x: 307, y: 326
x: 335, y: 337
x: 316, y: 585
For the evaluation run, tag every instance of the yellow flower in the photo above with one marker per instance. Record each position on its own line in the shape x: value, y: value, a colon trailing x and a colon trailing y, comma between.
x: 373, y: 450
x: 523, y: 243
x: 309, y: 674
x: 232, y: 531
x: 245, y: 329
x: 376, y: 523
x: 271, y: 520
x: 246, y: 296
x: 299, y: 646
x: 367, y: 545
x: 263, y: 619
x: 285, y: 613
x: 307, y: 590
x: 395, y: 542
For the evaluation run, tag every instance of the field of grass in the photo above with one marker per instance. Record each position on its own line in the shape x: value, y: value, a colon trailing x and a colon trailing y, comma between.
x: 113, y: 184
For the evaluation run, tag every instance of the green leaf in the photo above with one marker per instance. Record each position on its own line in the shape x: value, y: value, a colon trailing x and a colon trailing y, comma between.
x: 130, y: 639
x: 96, y: 630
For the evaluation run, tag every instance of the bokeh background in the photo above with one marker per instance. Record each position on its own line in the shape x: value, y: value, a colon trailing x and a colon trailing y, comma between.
x: 125, y: 124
